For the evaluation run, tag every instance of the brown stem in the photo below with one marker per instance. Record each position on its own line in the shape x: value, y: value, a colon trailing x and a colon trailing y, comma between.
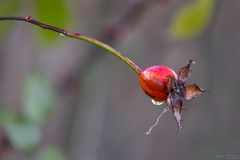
x: 76, y: 35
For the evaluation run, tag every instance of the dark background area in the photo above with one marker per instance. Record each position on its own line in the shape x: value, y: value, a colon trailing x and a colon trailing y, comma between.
x: 98, y: 111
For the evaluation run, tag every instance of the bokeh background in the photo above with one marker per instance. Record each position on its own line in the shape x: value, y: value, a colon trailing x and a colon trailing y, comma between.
x: 64, y: 99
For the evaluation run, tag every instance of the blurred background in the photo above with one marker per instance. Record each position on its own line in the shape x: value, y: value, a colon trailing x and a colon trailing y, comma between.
x: 64, y: 99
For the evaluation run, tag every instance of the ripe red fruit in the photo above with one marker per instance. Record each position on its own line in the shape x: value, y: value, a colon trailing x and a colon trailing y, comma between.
x: 154, y: 82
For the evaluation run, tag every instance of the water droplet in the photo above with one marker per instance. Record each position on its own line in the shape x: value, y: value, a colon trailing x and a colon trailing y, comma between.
x: 156, y: 103
x: 62, y: 35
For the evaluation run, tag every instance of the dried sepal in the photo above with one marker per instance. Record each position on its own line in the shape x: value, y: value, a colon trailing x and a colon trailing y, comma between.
x: 178, y: 117
x: 192, y: 91
x: 175, y: 105
x: 178, y: 90
x: 183, y: 73
x: 174, y: 102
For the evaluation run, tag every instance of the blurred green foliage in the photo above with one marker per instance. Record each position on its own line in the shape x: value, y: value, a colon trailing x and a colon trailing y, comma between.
x: 192, y: 19
x: 22, y: 134
x: 6, y: 115
x: 50, y: 153
x: 54, y: 12
x: 23, y: 128
x: 38, y: 98
x: 9, y: 7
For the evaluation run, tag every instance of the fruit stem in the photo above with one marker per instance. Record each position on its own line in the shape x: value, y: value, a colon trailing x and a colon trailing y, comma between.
x: 76, y: 35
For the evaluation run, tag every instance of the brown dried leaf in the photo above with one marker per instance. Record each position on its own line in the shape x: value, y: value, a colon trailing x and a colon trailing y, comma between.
x: 183, y: 73
x: 178, y: 117
x: 192, y: 91
x: 175, y: 105
x: 177, y: 108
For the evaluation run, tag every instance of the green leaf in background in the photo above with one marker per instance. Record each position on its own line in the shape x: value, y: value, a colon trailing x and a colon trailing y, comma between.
x: 53, y: 12
x: 6, y: 115
x: 24, y: 136
x: 191, y: 19
x: 38, y: 98
x: 50, y: 153
x: 9, y: 7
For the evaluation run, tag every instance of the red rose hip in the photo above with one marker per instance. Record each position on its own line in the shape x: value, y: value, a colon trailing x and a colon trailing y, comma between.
x: 154, y: 82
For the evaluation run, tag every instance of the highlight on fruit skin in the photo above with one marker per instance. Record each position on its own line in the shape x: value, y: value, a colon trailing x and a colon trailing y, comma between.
x: 162, y: 84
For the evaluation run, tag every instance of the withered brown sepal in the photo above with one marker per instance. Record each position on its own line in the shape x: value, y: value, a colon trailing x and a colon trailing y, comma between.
x: 179, y: 90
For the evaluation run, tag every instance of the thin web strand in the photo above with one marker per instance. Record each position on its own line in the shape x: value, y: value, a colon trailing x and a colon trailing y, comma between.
x: 160, y: 115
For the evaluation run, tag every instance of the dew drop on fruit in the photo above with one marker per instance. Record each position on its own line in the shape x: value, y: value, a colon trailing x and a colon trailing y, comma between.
x: 156, y: 102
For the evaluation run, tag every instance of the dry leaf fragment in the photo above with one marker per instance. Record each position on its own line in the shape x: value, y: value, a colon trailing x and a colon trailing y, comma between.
x: 192, y: 91
x: 183, y: 73
x: 178, y: 89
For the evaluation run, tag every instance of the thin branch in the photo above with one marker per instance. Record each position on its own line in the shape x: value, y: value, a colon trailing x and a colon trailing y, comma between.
x: 76, y: 35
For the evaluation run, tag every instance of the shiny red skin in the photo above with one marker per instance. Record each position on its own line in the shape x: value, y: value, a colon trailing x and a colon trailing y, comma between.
x: 154, y: 82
